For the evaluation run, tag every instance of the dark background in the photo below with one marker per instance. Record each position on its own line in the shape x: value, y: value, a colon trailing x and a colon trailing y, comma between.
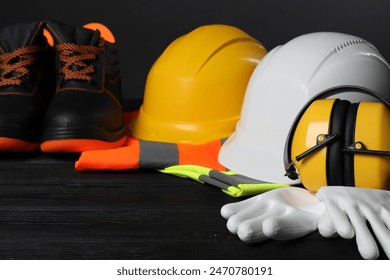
x: 144, y: 28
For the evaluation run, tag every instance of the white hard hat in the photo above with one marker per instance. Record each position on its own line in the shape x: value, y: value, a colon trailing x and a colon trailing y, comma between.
x: 308, y: 67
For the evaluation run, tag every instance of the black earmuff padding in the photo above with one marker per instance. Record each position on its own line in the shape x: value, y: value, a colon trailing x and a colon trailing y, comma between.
x: 350, y: 126
x: 335, y: 156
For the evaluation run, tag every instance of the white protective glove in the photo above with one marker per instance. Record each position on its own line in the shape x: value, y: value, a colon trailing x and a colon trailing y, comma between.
x: 281, y: 214
x: 348, y: 209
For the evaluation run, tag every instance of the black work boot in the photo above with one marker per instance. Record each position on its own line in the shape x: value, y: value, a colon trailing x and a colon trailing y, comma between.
x: 85, y: 112
x: 26, y: 85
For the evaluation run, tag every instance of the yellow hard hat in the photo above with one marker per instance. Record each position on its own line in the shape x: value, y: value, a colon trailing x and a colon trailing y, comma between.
x: 194, y: 91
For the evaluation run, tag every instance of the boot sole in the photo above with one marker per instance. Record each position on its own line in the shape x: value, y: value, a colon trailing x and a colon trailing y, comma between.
x: 74, y: 140
x: 17, y: 145
x: 79, y: 145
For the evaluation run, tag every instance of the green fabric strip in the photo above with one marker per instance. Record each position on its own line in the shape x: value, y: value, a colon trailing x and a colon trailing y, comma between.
x: 250, y: 190
x: 229, y: 182
x: 181, y: 172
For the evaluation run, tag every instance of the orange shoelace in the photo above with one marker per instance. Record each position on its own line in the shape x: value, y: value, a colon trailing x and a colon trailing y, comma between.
x: 14, y: 65
x: 73, y: 58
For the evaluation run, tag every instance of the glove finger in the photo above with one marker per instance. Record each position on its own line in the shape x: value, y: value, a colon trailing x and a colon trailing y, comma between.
x: 385, y: 217
x: 253, y: 211
x: 364, y: 239
x: 230, y: 209
x: 326, y: 227
x: 340, y: 220
x: 379, y: 227
x: 295, y: 224
x: 251, y: 231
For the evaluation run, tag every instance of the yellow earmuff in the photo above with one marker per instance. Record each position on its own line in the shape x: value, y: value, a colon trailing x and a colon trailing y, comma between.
x: 339, y: 143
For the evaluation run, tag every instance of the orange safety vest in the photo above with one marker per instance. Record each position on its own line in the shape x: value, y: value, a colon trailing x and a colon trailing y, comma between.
x: 136, y: 153
x: 153, y: 155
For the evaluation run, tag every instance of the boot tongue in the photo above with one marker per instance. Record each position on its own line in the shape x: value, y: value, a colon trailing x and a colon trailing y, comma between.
x: 19, y: 35
x: 63, y: 33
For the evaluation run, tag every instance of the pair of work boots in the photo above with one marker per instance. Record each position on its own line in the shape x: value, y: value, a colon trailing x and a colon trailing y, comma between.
x: 59, y: 88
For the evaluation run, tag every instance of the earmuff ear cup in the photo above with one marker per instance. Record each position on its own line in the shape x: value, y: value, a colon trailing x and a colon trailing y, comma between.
x: 365, y: 122
x: 314, y: 121
x: 335, y: 157
x: 373, y: 130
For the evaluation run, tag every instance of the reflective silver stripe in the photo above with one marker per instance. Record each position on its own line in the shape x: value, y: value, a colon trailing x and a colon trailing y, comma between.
x: 157, y: 155
x: 233, y: 180
x: 213, y: 182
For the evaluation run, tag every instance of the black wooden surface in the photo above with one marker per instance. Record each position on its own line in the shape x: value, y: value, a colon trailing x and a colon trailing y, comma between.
x: 50, y: 211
